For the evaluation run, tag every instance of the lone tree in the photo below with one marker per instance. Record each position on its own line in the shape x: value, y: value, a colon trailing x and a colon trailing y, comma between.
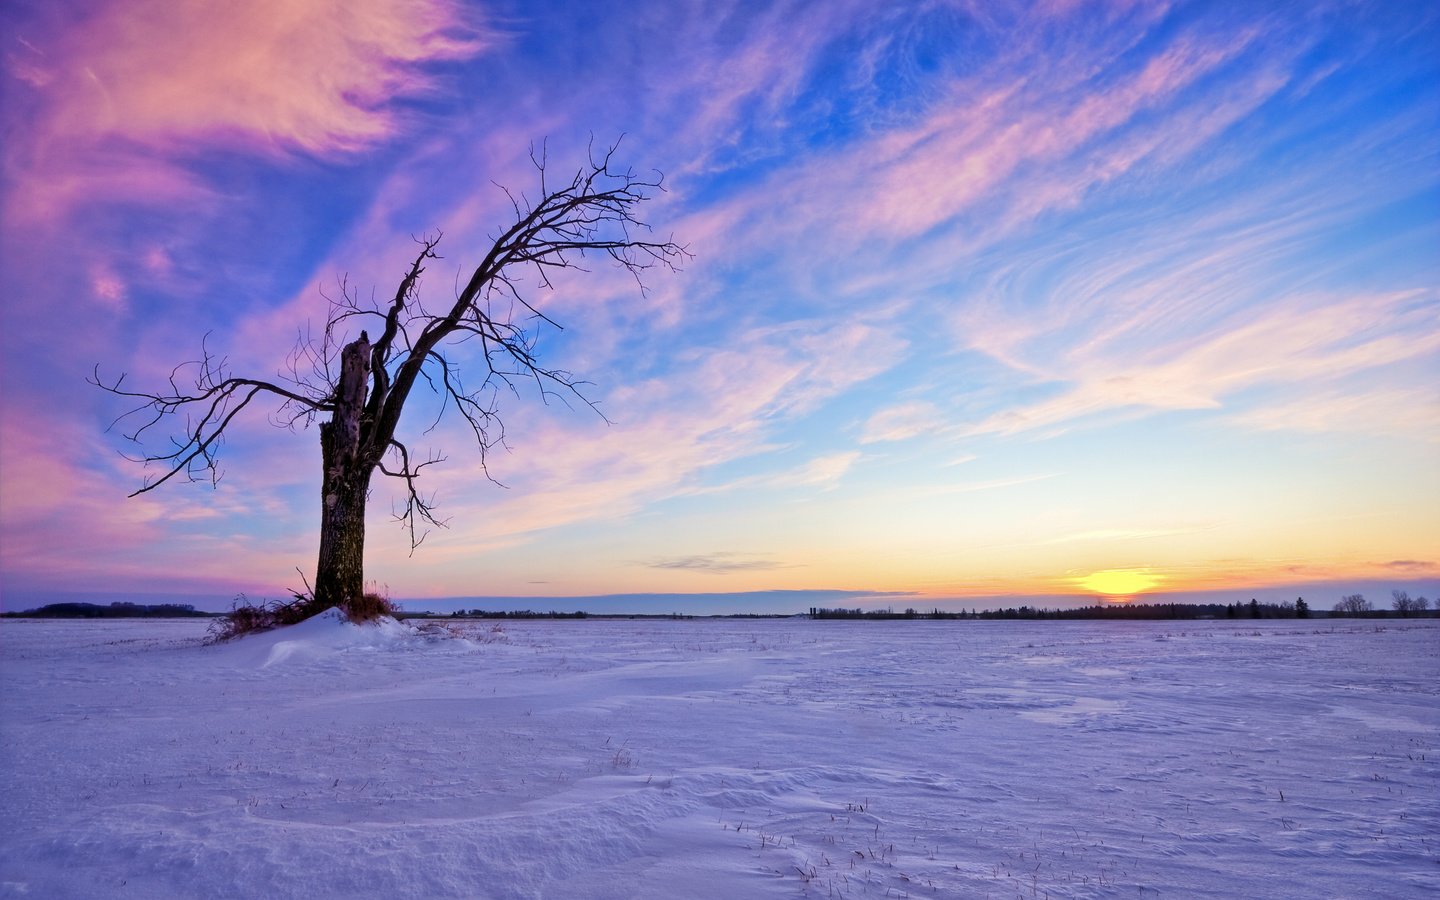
x: 360, y: 387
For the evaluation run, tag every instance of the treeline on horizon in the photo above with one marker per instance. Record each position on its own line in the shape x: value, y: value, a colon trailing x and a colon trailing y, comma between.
x: 509, y: 614
x: 118, y: 610
x: 1122, y: 611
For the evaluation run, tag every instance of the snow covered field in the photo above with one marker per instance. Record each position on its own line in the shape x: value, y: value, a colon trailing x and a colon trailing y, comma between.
x: 676, y: 759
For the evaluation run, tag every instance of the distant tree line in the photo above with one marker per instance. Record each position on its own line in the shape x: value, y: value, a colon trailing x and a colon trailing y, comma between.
x: 112, y: 611
x: 1401, y: 603
x: 1098, y: 611
x: 1352, y: 605
x: 516, y: 614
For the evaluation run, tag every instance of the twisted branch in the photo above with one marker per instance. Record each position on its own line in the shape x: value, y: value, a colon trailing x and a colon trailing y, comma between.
x: 591, y: 214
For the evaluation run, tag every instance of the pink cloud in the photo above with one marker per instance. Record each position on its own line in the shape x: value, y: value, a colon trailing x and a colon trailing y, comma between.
x: 974, y: 145
x: 107, y: 288
x: 1031, y: 133
x: 821, y: 473
x: 56, y: 514
x: 902, y: 422
x: 1302, y: 341
x: 133, y: 83
x: 733, y: 92
x: 1405, y: 412
x: 65, y: 519
x: 1166, y: 142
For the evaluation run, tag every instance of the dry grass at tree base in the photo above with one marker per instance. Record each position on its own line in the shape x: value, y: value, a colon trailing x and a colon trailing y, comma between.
x: 248, y: 618
x: 369, y: 607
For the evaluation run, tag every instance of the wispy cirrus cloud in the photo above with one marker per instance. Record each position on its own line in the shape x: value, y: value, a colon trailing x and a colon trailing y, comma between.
x: 1299, y: 342
x: 722, y: 563
x: 67, y: 518
x: 1413, y: 566
x: 1200, y: 309
x: 1012, y: 142
x: 822, y: 473
x: 903, y: 421
x: 1397, y: 411
x: 118, y: 97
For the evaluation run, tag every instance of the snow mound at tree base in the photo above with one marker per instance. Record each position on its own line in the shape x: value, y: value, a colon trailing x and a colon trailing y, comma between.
x: 320, y: 636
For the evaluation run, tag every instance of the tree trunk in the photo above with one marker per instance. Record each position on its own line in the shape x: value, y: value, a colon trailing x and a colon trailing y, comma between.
x: 340, y: 571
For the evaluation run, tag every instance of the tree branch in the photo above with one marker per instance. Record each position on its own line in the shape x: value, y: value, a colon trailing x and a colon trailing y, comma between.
x: 592, y: 214
x: 416, y: 505
x: 211, y: 407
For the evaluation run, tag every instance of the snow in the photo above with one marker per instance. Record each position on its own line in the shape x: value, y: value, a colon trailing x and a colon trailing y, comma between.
x: 724, y: 758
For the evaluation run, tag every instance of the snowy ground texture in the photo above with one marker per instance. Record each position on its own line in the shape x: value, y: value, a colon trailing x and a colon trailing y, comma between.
x: 725, y: 759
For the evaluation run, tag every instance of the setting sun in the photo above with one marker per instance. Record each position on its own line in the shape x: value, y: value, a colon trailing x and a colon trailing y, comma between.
x: 1120, y: 582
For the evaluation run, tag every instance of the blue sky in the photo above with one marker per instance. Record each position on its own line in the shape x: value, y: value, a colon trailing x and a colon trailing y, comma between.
x: 986, y: 298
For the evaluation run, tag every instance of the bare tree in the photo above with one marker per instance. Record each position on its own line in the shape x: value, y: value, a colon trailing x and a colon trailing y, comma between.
x: 1400, y: 602
x: 360, y: 387
x: 1353, y: 605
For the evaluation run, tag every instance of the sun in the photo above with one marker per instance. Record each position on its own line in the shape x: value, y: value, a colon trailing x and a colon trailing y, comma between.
x: 1120, y: 582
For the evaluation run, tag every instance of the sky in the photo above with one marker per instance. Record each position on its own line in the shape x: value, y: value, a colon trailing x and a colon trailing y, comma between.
x: 985, y: 299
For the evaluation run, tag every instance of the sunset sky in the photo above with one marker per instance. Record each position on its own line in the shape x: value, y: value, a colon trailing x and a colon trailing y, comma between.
x: 986, y: 297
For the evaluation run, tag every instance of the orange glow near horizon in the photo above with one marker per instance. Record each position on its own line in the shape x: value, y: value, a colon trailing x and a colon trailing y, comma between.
x: 1118, y: 584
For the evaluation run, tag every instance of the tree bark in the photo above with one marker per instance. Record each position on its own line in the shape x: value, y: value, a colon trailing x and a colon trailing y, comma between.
x: 345, y: 486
